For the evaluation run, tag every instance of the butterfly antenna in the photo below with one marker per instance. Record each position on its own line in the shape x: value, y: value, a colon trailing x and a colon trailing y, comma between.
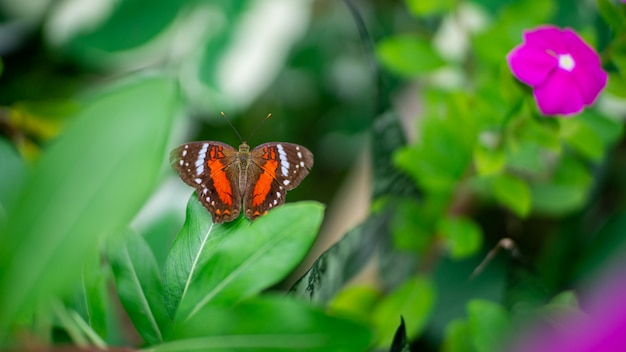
x: 233, y: 127
x: 259, y: 126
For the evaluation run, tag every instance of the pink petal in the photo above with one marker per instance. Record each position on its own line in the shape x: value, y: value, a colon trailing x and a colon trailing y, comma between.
x: 558, y: 95
x: 530, y: 64
x: 580, y: 51
x: 546, y: 37
x: 590, y: 80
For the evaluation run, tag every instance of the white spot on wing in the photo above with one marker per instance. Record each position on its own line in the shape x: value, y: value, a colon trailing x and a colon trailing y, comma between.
x: 302, y: 163
x: 200, y: 159
x: 180, y: 162
x: 278, y: 194
x: 185, y: 152
x: 299, y: 155
x: 198, y: 180
x: 284, y: 163
x: 286, y: 182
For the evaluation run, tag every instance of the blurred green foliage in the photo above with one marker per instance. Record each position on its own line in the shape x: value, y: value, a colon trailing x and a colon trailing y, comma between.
x: 484, y: 219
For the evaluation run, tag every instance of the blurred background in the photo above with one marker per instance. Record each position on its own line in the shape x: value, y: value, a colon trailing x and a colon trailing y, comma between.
x: 307, y: 64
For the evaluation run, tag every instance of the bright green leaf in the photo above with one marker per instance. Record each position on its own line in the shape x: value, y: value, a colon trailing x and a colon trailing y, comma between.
x: 267, y: 324
x: 88, y: 183
x: 512, y: 193
x: 421, y: 8
x: 458, y: 337
x: 462, y: 236
x: 189, y: 251
x: 408, y: 56
x: 354, y: 301
x: 414, y: 300
x: 488, y: 323
x: 255, y: 256
x: 488, y: 161
x: 617, y: 83
x: 138, y: 283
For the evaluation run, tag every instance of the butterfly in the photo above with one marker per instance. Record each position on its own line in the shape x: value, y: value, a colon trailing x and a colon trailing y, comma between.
x: 224, y: 178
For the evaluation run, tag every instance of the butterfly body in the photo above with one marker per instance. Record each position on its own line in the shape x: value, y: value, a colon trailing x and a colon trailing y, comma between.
x: 225, y: 178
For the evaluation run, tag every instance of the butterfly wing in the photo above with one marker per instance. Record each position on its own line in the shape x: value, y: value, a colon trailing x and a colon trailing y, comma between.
x: 212, y: 169
x: 273, y: 169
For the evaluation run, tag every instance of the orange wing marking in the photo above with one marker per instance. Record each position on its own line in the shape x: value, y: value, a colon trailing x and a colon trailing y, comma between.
x: 264, y: 183
x: 222, y: 185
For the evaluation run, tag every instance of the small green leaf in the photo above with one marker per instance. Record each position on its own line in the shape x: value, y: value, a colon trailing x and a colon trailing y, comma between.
x: 617, y: 83
x: 582, y: 138
x: 354, y: 301
x: 421, y: 8
x: 138, y: 283
x: 488, y: 161
x: 414, y: 300
x: 267, y: 324
x: 565, y: 192
x: 512, y: 193
x: 458, y: 337
x: 252, y: 258
x: 91, y: 181
x: 400, y: 341
x: 408, y: 56
x: 488, y: 323
x: 463, y: 237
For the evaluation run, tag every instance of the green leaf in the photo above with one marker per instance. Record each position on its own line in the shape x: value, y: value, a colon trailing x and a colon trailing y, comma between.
x: 252, y: 258
x: 458, y: 337
x: 88, y: 183
x: 488, y: 323
x: 400, y: 341
x: 421, y: 8
x: 11, y: 175
x: 565, y: 192
x: 354, y: 301
x: 512, y: 193
x: 341, y: 262
x: 488, y: 161
x: 138, y: 283
x: 189, y: 251
x: 462, y: 236
x: 267, y: 324
x: 412, y: 227
x: 112, y: 34
x: 414, y: 300
x: 582, y: 138
x: 408, y: 56
x: 617, y: 83
x: 610, y: 14
x: 90, y: 299
x: 389, y: 135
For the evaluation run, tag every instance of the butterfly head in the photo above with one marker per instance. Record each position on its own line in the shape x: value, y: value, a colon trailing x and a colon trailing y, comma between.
x: 244, y: 147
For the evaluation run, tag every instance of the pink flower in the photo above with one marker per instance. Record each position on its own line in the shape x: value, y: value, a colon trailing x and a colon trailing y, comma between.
x: 601, y: 328
x: 564, y: 72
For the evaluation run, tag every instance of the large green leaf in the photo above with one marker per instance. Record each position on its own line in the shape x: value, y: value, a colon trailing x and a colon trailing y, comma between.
x: 89, y: 182
x: 267, y: 324
x: 251, y: 258
x: 138, y: 283
x: 189, y: 251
